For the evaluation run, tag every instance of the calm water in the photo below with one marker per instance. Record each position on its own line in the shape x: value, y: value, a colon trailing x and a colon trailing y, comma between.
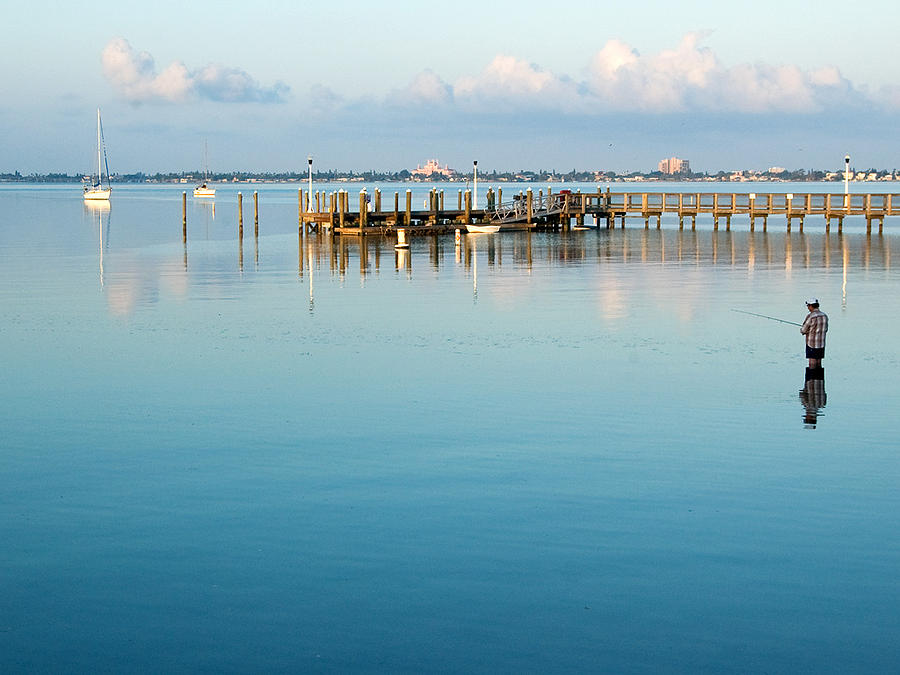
x: 544, y: 453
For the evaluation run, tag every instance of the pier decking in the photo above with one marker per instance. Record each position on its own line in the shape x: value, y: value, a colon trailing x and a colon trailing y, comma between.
x: 559, y: 210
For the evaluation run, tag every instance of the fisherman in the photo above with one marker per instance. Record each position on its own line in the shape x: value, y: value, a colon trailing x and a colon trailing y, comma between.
x: 814, y: 327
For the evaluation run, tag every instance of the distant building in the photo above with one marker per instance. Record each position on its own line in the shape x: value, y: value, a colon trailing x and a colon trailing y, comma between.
x: 777, y: 169
x: 674, y: 165
x: 431, y: 168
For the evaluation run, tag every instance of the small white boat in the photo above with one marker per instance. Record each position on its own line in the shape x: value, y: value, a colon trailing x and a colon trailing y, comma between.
x: 203, y: 190
x: 483, y: 229
x: 97, y: 191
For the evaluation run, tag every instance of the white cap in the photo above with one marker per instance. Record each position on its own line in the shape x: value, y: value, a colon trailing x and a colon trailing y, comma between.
x: 812, y: 301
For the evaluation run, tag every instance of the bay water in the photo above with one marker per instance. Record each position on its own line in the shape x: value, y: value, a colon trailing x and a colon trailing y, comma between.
x: 547, y: 452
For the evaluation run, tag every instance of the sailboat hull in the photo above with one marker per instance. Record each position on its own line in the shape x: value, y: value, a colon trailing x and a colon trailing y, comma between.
x: 204, y: 192
x: 92, y: 195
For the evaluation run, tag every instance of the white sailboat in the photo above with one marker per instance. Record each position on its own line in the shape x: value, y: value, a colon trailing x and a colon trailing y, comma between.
x: 97, y: 191
x: 203, y: 190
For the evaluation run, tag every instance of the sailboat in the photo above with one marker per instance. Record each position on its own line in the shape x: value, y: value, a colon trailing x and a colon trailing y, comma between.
x: 92, y: 190
x: 203, y: 190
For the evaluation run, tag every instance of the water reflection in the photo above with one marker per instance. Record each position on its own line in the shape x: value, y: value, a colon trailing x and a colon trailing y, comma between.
x: 781, y: 253
x: 95, y: 211
x: 813, y: 396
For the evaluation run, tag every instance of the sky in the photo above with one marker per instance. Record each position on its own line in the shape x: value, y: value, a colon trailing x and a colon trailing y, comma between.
x: 386, y: 86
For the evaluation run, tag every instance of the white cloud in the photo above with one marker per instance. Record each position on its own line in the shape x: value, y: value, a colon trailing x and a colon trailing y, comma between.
x: 691, y: 78
x: 508, y: 83
x: 686, y: 78
x: 427, y: 88
x: 134, y: 76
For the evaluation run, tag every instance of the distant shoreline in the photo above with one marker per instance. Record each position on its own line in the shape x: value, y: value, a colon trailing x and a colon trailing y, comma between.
x: 191, y: 178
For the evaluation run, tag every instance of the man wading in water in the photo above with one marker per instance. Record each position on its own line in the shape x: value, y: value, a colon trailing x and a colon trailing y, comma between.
x: 814, y: 328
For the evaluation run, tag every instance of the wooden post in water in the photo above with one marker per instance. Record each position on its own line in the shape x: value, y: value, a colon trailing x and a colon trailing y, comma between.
x: 868, y: 206
x: 468, y: 207
x: 442, y: 200
x: 319, y: 201
x: 396, y: 209
x: 332, y: 209
x: 752, y: 200
x: 377, y: 200
x: 529, y: 205
x: 408, y: 208
x: 787, y: 208
x: 459, y: 200
x: 240, y: 216
x: 342, y: 207
x: 363, y: 210
x: 184, y: 217
x: 255, y: 214
x: 300, y: 209
x: 716, y: 210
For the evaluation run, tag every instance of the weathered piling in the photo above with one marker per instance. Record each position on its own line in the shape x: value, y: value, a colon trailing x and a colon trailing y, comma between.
x: 241, y: 217
x: 255, y: 214
x: 300, y: 222
x: 409, y: 207
x: 184, y: 216
x: 468, y: 207
x: 363, y: 210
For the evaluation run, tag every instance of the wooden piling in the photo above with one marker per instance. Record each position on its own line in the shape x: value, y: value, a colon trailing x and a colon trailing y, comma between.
x: 529, y: 206
x: 240, y: 216
x: 363, y: 210
x: 409, y: 207
x: 300, y: 222
x: 184, y: 216
x: 255, y: 214
x: 396, y: 209
x: 468, y: 207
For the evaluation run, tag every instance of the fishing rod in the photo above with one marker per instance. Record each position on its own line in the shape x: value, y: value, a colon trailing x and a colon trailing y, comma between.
x: 771, y: 318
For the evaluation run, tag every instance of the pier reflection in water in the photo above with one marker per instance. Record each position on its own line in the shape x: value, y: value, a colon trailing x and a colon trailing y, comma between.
x: 748, y: 250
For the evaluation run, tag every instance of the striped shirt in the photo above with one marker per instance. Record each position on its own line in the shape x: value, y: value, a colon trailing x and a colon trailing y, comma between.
x: 814, y: 327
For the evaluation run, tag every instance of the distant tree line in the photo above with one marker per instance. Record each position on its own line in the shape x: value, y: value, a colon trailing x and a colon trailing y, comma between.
x: 524, y: 175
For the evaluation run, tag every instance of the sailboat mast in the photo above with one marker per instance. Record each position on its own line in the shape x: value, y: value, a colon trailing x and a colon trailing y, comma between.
x: 99, y: 153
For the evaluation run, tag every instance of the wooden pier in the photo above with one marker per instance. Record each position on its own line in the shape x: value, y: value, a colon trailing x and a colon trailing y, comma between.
x: 527, y: 210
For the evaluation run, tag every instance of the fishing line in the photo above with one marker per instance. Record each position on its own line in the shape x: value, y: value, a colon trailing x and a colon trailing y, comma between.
x: 771, y: 318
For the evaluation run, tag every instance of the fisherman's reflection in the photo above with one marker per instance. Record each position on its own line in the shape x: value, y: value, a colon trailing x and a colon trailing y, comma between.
x: 812, y: 396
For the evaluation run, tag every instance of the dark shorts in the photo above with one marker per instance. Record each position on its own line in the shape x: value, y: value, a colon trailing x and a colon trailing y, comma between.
x: 815, y: 352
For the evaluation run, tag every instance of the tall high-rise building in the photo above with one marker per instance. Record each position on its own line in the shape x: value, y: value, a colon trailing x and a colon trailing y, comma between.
x: 675, y: 165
